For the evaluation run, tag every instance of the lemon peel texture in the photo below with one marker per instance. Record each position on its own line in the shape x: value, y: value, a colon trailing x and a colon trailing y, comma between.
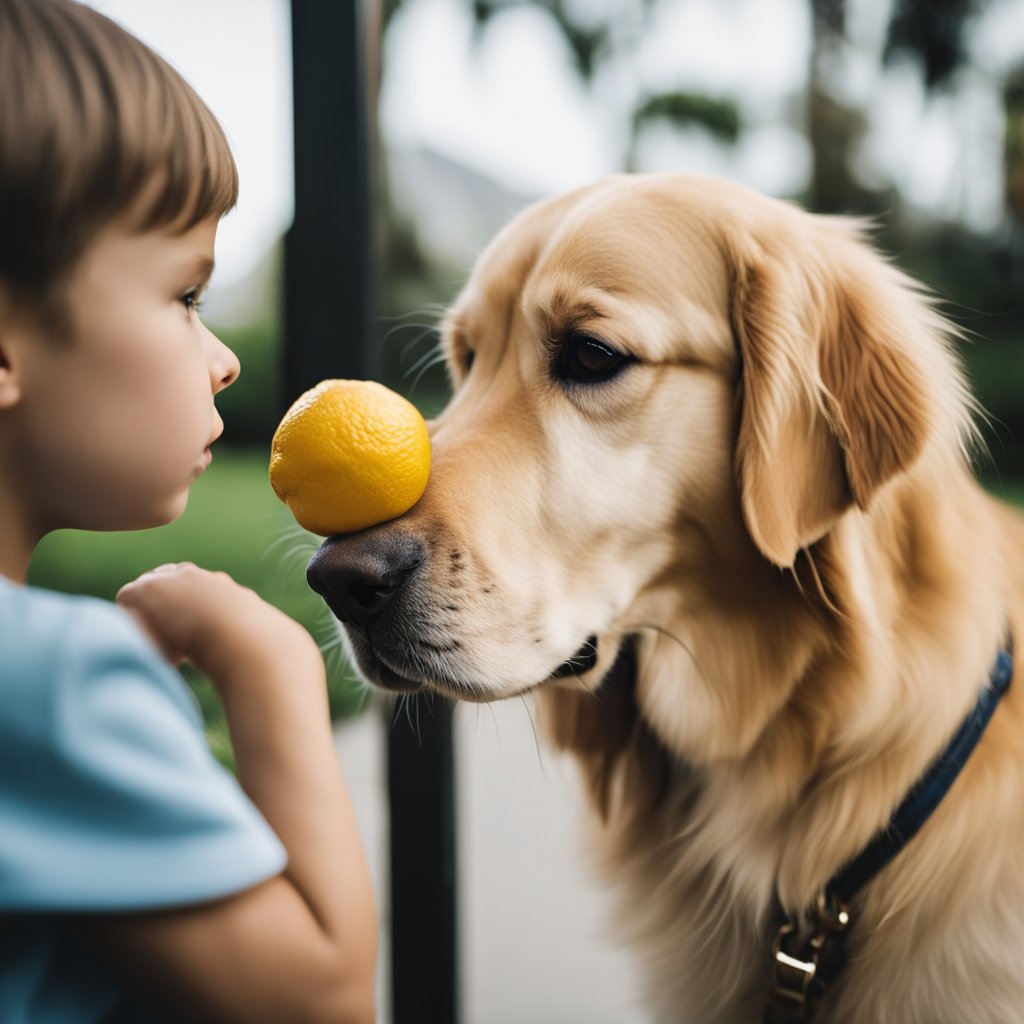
x: 349, y: 454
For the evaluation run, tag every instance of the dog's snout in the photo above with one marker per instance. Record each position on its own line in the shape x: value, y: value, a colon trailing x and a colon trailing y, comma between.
x: 359, y: 575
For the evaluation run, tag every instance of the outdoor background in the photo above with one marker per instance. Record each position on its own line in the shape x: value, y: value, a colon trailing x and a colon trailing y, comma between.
x: 910, y: 112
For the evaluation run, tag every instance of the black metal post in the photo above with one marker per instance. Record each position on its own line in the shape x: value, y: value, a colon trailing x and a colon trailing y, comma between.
x: 328, y: 278
x: 328, y: 271
x: 420, y: 789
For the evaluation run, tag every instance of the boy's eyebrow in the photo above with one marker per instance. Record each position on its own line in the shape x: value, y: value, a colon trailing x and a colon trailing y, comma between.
x: 199, y: 269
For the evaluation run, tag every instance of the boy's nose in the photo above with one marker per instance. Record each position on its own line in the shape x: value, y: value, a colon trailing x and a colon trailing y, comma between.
x: 224, y: 366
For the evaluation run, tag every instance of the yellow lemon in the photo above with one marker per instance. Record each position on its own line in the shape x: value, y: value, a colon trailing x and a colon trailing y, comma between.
x: 349, y: 454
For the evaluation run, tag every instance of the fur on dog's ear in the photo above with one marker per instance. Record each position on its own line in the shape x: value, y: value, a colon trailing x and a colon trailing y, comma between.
x: 833, y: 390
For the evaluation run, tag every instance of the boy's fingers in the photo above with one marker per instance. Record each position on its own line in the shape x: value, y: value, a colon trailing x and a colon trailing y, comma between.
x: 159, y: 570
x: 158, y: 641
x: 169, y: 567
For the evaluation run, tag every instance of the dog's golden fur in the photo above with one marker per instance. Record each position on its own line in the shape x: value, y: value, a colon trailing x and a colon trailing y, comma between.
x: 773, y: 504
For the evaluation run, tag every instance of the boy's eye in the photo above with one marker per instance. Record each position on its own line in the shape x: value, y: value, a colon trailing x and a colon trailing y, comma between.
x: 192, y: 300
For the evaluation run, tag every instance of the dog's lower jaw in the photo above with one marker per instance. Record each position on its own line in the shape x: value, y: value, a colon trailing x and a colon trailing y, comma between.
x: 388, y: 679
x: 580, y: 663
x: 585, y: 672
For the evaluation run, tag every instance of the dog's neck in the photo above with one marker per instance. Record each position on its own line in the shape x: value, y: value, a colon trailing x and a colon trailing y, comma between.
x: 777, y: 750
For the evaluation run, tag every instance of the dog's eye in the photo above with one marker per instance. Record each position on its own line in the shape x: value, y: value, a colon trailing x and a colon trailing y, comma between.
x: 586, y: 360
x: 467, y: 360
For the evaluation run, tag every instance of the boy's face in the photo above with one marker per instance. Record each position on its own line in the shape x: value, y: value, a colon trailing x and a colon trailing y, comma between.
x: 117, y: 422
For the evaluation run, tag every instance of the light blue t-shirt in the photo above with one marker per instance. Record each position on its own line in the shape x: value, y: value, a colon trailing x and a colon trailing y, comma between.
x: 110, y: 800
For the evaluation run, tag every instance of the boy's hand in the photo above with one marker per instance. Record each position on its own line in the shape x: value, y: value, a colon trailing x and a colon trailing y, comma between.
x: 301, y: 945
x: 219, y: 626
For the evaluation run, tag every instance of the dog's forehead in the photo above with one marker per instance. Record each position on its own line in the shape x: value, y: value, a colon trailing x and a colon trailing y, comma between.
x: 640, y: 260
x: 624, y: 248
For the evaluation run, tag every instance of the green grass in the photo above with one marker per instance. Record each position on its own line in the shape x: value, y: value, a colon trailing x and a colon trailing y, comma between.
x: 233, y: 523
x: 1011, y: 491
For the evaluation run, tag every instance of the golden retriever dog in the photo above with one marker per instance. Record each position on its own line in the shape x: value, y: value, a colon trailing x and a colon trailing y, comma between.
x: 703, y: 488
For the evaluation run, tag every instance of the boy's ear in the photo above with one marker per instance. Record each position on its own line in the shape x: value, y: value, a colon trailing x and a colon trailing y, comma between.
x: 11, y: 330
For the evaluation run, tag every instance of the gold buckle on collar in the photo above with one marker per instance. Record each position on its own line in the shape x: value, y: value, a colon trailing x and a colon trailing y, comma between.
x: 801, y: 968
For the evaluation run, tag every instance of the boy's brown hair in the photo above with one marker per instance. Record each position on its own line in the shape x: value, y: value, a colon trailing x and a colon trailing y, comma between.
x: 94, y: 126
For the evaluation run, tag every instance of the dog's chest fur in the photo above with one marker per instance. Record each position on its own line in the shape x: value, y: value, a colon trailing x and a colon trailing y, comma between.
x: 700, y: 946
x: 701, y: 921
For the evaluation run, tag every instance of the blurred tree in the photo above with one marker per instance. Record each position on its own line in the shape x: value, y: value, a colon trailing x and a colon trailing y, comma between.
x: 1013, y: 145
x: 719, y: 118
x: 587, y: 43
x: 978, y: 270
x: 834, y: 126
x: 934, y: 31
x: 595, y: 42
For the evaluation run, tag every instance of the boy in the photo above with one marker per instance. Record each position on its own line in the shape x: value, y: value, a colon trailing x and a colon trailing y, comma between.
x: 136, y: 877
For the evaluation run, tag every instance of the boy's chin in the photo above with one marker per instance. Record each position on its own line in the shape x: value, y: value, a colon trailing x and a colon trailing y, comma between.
x: 159, y: 514
x: 173, y: 510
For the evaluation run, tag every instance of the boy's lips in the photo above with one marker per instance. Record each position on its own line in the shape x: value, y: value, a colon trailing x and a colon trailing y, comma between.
x: 204, y: 460
x: 207, y: 457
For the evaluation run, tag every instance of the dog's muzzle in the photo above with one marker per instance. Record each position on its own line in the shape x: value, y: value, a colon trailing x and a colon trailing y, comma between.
x: 369, y: 581
x: 360, y: 575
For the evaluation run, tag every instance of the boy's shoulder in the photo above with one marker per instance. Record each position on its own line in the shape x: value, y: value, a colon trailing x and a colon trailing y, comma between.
x: 43, y: 623
x: 28, y: 606
x: 111, y: 798
x: 56, y: 644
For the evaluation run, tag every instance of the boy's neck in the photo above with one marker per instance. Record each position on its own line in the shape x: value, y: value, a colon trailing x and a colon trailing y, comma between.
x: 17, y: 542
x: 15, y: 569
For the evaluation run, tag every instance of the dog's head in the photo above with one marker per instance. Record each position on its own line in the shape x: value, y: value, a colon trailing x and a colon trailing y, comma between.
x: 665, y: 387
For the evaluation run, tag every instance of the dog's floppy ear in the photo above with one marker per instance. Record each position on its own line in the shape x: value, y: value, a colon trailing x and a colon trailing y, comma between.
x: 833, y: 394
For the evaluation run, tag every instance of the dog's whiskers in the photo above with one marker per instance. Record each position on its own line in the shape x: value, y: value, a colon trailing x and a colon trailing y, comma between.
x: 423, y: 309
x: 401, y: 710
x: 415, y: 726
x: 576, y: 659
x: 536, y: 738
x: 425, y: 329
x: 425, y: 361
x: 436, y: 357
x: 295, y: 534
x: 662, y: 631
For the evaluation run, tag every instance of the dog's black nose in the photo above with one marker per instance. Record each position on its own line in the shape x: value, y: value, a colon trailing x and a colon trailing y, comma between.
x: 360, y: 574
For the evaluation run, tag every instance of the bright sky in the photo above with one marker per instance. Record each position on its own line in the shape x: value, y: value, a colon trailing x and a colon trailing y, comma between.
x: 515, y: 107
x: 515, y: 110
x: 237, y: 55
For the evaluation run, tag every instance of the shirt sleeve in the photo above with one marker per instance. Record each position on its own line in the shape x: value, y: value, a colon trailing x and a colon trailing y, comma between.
x: 109, y: 796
